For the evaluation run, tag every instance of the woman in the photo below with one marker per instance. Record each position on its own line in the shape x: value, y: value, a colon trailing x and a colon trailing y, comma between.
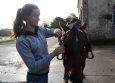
x: 31, y: 43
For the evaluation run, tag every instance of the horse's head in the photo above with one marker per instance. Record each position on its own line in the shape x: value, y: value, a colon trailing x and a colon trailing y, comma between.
x: 73, y: 29
x: 74, y: 42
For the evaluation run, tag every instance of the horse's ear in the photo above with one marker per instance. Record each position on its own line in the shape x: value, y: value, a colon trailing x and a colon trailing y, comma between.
x: 83, y: 26
x: 63, y: 26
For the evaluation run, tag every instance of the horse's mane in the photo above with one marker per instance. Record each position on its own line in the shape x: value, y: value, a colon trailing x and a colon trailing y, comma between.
x: 71, y: 40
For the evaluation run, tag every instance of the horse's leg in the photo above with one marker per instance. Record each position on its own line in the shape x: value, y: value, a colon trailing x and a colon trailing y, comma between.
x: 81, y: 79
x: 65, y: 72
x: 66, y: 77
x: 83, y: 68
x: 84, y: 62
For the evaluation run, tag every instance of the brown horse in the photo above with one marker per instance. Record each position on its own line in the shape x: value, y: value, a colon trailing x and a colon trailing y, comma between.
x: 77, y: 47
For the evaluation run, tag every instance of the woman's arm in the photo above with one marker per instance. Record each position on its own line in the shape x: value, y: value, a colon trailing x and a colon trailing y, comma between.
x: 25, y: 52
x: 51, y: 32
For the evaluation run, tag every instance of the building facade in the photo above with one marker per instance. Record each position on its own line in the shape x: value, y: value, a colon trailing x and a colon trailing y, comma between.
x: 100, y: 15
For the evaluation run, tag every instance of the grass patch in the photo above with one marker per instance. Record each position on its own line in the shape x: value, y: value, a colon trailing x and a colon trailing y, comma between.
x: 7, y: 42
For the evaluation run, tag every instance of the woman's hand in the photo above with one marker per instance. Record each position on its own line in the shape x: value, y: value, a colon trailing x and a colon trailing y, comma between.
x: 59, y: 50
x: 57, y: 33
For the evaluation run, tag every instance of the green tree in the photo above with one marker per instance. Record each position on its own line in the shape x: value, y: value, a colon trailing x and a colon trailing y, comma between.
x: 55, y: 24
x: 68, y: 19
x: 46, y: 24
x: 5, y: 32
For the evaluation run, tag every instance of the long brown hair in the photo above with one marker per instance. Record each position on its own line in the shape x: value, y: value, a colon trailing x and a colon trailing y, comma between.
x: 18, y: 24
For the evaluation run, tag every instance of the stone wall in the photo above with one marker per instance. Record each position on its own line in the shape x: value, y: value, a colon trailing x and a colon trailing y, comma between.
x: 99, y: 25
x: 97, y: 22
x: 79, y: 6
x: 110, y: 26
x: 96, y: 12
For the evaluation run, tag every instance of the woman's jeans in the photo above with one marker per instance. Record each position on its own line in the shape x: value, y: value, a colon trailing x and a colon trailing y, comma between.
x: 41, y: 78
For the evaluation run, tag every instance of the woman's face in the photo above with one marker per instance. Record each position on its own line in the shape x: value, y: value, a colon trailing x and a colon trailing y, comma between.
x: 33, y: 19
